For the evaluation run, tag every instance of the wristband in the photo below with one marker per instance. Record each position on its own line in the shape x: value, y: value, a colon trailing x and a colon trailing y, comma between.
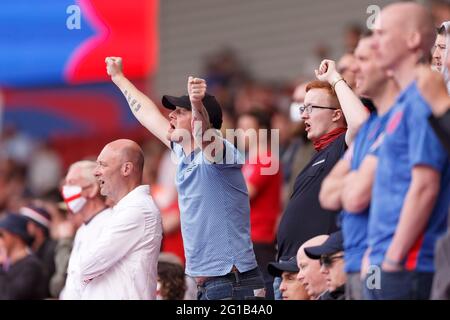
x: 336, y: 81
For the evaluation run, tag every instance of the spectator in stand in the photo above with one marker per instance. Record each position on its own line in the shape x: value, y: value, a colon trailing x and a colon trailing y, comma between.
x: 290, y: 287
x: 345, y: 67
x: 171, y: 281
x: 440, y: 52
x: 38, y: 227
x: 410, y: 200
x: 300, y: 150
x: 309, y: 270
x: 122, y: 262
x: 22, y: 275
x: 81, y: 193
x: 331, y: 257
x: 350, y: 182
x: 210, y: 184
x: 264, y: 187
x: 326, y: 127
x: 433, y: 88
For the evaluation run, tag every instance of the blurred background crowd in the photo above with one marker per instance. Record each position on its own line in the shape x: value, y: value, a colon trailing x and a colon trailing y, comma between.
x: 47, y: 125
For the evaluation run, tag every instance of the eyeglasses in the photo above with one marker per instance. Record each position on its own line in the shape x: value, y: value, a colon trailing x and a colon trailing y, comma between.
x: 327, y: 261
x: 309, y: 108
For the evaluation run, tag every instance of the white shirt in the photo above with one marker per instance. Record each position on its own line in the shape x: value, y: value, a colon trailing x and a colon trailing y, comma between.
x: 122, y: 262
x: 85, y: 236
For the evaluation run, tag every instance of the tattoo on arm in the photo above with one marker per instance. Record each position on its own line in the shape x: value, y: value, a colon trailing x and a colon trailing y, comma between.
x: 132, y: 101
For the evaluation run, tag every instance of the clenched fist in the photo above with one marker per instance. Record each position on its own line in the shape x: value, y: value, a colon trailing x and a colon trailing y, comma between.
x: 196, y: 89
x: 327, y: 71
x: 114, y: 66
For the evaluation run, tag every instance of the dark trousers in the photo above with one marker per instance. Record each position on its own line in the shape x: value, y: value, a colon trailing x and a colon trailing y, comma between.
x: 265, y: 253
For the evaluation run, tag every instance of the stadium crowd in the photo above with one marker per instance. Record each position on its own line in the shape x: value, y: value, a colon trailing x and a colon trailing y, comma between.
x: 332, y: 188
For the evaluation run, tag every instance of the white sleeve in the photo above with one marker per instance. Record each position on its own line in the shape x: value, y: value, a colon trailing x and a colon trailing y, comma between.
x: 124, y: 230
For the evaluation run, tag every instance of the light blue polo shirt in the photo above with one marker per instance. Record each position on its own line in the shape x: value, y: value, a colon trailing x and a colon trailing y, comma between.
x: 214, y: 212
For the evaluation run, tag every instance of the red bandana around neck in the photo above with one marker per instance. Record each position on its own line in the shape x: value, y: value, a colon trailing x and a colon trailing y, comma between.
x: 328, y: 138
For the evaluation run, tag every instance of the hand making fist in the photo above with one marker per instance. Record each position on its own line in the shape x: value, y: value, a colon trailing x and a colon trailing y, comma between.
x: 327, y: 71
x: 196, y: 89
x: 113, y: 66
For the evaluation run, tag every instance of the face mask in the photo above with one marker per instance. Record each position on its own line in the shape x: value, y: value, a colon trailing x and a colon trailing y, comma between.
x: 73, y: 199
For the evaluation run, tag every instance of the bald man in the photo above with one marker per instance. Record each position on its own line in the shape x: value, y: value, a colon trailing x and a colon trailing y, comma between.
x: 121, y: 263
x: 309, y: 270
x: 410, y: 192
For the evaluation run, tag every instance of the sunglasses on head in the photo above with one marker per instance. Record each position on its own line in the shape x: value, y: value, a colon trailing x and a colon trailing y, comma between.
x: 327, y: 261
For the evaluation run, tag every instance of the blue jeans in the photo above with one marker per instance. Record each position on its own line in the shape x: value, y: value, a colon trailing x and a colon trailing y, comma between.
x: 276, y: 288
x: 233, y: 286
x: 401, y: 285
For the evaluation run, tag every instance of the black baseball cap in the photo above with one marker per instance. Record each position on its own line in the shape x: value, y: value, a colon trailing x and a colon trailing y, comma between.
x: 16, y: 224
x: 211, y: 105
x: 334, y: 244
x: 277, y: 268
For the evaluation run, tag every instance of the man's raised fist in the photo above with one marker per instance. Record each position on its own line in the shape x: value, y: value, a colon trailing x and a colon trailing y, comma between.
x: 113, y: 66
x: 196, y: 89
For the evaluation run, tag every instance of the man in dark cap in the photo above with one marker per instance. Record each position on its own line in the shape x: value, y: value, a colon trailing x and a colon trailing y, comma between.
x: 43, y: 246
x: 331, y: 256
x: 21, y: 272
x: 212, y: 195
x: 291, y: 287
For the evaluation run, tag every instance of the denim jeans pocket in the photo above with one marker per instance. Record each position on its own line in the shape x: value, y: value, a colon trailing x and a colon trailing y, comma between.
x: 219, y: 291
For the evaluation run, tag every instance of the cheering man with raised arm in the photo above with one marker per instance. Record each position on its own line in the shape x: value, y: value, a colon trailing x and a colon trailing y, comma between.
x: 212, y: 195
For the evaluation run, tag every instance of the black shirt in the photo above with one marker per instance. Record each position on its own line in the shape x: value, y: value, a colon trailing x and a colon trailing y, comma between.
x: 304, y: 218
x: 46, y: 253
x: 24, y: 280
x: 338, y: 294
x: 441, y: 126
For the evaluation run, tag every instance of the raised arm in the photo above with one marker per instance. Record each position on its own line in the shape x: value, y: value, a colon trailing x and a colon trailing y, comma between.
x: 354, y: 111
x: 434, y: 90
x: 205, y: 137
x: 144, y: 109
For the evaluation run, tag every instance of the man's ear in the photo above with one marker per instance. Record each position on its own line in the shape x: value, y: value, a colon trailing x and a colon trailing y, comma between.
x: 413, y: 40
x: 337, y: 115
x: 126, y: 169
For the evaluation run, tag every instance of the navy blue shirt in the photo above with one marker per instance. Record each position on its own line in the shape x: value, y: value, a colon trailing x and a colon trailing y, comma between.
x: 304, y: 218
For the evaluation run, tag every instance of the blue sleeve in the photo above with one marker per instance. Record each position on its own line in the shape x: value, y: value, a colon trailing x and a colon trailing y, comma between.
x: 231, y: 157
x: 424, y: 147
x: 177, y: 150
